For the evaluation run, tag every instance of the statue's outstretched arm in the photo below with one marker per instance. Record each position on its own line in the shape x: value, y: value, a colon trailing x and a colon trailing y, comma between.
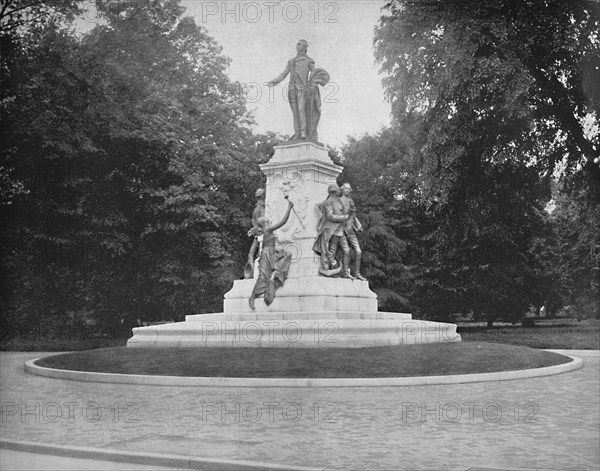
x: 284, y: 220
x: 280, y: 77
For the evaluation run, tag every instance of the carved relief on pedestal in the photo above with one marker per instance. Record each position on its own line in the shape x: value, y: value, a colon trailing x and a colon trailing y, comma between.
x: 293, y: 187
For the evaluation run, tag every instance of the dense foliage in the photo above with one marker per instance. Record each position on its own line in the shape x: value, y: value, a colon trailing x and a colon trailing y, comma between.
x: 490, y: 100
x: 126, y: 176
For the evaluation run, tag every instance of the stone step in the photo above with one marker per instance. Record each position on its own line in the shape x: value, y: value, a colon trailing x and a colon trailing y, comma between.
x: 293, y: 333
x: 314, y: 315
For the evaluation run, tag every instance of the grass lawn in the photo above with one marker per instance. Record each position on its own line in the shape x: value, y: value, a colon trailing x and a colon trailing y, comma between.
x: 374, y: 362
x: 58, y: 345
x: 585, y: 335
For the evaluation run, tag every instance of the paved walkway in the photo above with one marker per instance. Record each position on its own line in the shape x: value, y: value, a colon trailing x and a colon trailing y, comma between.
x: 549, y: 423
x: 11, y: 460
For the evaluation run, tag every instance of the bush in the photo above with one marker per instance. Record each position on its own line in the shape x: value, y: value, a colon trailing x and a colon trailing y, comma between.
x: 528, y: 322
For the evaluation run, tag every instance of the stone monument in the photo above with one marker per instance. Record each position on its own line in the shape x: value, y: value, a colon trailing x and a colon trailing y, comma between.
x: 290, y: 299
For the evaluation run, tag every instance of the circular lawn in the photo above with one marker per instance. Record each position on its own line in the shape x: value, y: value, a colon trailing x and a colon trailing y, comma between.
x: 373, y: 362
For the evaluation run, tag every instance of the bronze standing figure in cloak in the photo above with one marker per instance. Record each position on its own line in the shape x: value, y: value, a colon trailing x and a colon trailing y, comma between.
x: 274, y: 263
x: 330, y: 233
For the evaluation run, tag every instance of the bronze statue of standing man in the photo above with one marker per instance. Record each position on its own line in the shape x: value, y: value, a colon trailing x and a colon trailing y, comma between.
x: 303, y: 93
x: 255, y: 232
x: 351, y: 227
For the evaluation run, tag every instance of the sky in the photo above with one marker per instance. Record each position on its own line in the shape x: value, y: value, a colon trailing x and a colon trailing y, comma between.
x: 260, y: 37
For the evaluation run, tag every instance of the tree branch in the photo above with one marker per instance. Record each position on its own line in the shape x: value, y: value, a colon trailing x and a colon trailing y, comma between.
x: 4, y: 7
x: 24, y: 7
x: 563, y: 110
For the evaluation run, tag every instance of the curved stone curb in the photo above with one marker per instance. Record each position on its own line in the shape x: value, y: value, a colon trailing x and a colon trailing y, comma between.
x: 149, y: 459
x: 30, y: 367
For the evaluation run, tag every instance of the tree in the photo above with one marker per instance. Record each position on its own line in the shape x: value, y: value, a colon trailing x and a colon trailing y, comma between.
x: 576, y: 224
x: 390, y: 207
x: 527, y: 70
x: 483, y: 260
x: 502, y: 95
x: 131, y: 168
x: 19, y: 16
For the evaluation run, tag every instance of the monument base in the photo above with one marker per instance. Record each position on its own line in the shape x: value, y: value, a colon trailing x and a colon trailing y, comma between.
x: 305, y: 294
x: 301, y: 329
x: 309, y: 311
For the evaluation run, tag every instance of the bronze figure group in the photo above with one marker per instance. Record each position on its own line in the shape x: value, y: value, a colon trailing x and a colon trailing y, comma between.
x: 336, y: 234
x: 336, y: 240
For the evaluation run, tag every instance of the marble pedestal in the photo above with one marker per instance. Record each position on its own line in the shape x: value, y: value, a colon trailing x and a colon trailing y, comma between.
x: 325, y: 329
x: 309, y: 311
